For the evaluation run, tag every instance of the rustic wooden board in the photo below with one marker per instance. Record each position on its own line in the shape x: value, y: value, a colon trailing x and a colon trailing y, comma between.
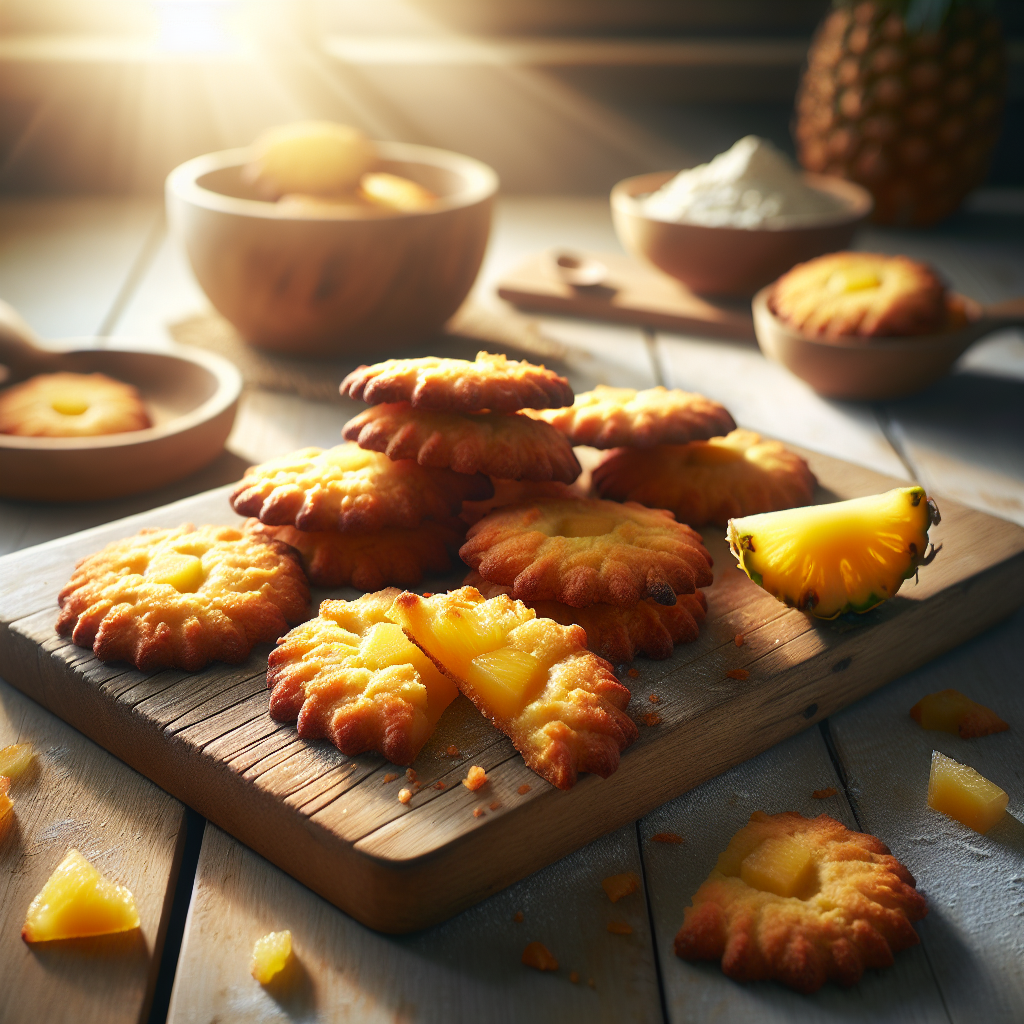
x: 336, y: 825
x: 633, y: 294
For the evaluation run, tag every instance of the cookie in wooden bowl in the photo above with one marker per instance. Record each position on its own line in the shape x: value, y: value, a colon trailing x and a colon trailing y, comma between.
x: 861, y: 294
x: 583, y: 551
x: 183, y: 597
x: 490, y: 382
x: 560, y: 704
x: 802, y: 901
x: 352, y: 676
x: 709, y: 481
x: 610, y: 417
x: 349, y: 488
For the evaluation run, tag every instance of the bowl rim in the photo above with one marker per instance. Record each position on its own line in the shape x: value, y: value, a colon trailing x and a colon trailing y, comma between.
x: 977, y: 326
x: 624, y: 199
x: 481, y: 184
x: 228, y: 389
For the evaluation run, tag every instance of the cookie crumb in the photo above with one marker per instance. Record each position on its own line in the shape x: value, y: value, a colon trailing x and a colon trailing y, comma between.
x: 494, y: 805
x: 390, y: 777
x: 617, y: 886
x: 651, y: 718
x: 574, y: 977
x: 739, y: 639
x: 824, y: 794
x: 632, y: 673
x: 524, y: 789
x: 427, y: 593
x: 654, y: 698
x: 478, y: 812
x: 538, y: 956
x: 439, y: 784
x: 404, y: 796
x: 667, y: 837
x: 410, y: 774
x: 738, y: 673
x: 518, y: 917
x: 475, y: 778
x: 453, y: 751
x: 619, y: 928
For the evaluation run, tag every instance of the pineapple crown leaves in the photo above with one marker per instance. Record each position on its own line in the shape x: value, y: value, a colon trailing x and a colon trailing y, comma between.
x: 924, y: 15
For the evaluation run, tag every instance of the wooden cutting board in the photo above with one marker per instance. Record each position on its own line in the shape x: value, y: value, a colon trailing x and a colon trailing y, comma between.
x: 633, y: 293
x: 335, y: 822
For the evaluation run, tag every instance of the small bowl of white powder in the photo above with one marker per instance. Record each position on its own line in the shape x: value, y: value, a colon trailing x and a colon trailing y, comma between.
x: 730, y: 226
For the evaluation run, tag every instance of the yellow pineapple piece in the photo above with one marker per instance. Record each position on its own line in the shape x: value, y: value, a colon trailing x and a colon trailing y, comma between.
x: 394, y: 192
x: 270, y: 955
x: 69, y: 405
x: 963, y: 794
x: 183, y: 572
x: 6, y: 803
x: 952, y: 711
x: 782, y: 866
x: 15, y: 759
x: 532, y: 677
x: 77, y: 902
x: 842, y: 557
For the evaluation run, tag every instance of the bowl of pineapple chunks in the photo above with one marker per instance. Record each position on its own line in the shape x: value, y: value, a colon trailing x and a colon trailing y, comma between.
x: 317, y: 240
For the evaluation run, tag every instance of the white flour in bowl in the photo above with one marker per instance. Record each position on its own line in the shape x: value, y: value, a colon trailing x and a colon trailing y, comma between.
x: 751, y: 185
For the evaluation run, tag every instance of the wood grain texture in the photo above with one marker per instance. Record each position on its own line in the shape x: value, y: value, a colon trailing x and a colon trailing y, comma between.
x: 781, y: 779
x: 464, y: 971
x: 331, y: 820
x: 974, y: 883
x: 77, y: 795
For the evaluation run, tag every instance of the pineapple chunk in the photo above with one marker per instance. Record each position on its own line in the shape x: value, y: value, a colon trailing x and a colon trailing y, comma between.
x: 270, y: 956
x: 183, y: 572
x: 951, y: 711
x: 385, y: 645
x: 960, y: 792
x: 830, y: 559
x: 6, y: 803
x: 15, y: 759
x: 76, y: 902
x: 69, y: 405
x: 782, y: 866
x: 394, y: 192
x: 506, y: 679
x: 584, y: 525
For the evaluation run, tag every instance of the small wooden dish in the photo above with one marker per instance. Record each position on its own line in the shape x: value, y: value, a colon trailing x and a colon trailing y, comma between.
x: 870, y: 369
x: 304, y: 282
x: 731, y: 261
x: 191, y: 396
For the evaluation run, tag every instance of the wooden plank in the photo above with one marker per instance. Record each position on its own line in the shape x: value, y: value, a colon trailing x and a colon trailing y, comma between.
x: 768, y: 398
x: 63, y: 262
x: 781, y: 779
x: 77, y: 795
x: 331, y: 821
x: 466, y: 970
x: 973, y: 932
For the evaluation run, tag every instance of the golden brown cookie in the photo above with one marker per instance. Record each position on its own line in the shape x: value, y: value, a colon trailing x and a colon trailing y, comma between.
x: 709, y: 481
x: 621, y: 634
x: 612, y: 417
x: 456, y: 385
x: 802, y: 900
x: 514, y: 492
x: 348, y: 488
x: 512, y: 447
x: 184, y: 597
x: 860, y: 294
x: 561, y: 705
x: 374, y: 559
x: 71, y: 405
x: 585, y: 551
x: 352, y: 676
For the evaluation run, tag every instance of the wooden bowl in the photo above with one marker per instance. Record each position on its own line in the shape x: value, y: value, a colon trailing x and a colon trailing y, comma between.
x: 309, y: 284
x: 875, y: 368
x: 191, y: 396
x: 731, y: 261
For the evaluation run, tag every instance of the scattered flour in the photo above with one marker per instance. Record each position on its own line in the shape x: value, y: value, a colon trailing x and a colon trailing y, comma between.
x: 751, y: 185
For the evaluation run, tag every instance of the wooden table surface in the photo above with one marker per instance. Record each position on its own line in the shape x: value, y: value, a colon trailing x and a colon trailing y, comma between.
x: 104, y: 266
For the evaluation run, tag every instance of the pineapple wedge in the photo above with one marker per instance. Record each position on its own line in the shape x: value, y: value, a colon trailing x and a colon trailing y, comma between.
x: 849, y: 556
x: 963, y: 794
x: 77, y: 902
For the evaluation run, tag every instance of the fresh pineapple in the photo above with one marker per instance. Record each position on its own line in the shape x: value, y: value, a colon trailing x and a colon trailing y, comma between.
x: 904, y: 97
x: 77, y: 902
x: 270, y: 956
x: 6, y: 803
x: 952, y: 711
x: 963, y: 794
x: 830, y: 559
x: 15, y: 759
x: 781, y: 865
